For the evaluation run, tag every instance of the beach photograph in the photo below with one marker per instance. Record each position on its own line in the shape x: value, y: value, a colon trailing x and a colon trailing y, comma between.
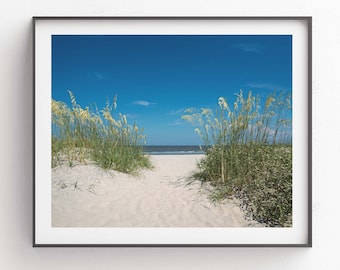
x: 171, y: 131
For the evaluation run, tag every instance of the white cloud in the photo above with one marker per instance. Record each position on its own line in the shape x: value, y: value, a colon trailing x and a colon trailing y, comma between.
x: 177, y: 122
x: 98, y: 76
x: 266, y: 86
x: 176, y: 112
x: 253, y: 48
x: 131, y: 116
x: 143, y: 103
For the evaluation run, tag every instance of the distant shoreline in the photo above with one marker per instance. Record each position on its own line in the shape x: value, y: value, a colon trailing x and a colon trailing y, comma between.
x: 173, y: 150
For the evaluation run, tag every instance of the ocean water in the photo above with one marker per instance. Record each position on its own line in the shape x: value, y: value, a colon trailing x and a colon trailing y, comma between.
x: 172, y: 150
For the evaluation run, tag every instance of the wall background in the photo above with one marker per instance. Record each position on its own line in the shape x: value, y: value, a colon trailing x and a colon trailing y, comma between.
x: 16, y: 141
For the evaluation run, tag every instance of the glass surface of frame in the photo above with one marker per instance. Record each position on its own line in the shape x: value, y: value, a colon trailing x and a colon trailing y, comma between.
x: 126, y: 107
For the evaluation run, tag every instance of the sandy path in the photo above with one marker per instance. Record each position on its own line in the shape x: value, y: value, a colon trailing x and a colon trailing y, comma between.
x: 86, y: 196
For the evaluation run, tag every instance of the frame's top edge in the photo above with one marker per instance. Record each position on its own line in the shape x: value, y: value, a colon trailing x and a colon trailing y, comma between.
x: 172, y: 17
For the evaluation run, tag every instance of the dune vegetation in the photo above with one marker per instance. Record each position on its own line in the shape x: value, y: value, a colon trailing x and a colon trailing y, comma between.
x: 248, y: 154
x: 86, y: 135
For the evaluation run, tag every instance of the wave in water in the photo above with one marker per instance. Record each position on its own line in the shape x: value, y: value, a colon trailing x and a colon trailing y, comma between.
x: 173, y: 150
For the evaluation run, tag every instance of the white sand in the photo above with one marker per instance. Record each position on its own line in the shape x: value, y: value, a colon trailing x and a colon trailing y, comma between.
x: 86, y: 196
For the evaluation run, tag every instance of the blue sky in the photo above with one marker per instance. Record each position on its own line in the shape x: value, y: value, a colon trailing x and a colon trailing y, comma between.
x: 157, y: 77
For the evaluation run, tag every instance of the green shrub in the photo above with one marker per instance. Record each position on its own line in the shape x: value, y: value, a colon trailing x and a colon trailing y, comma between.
x: 249, y: 154
x: 81, y: 135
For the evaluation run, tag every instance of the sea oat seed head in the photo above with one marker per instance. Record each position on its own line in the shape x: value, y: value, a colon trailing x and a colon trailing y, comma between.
x: 205, y: 111
x: 222, y: 103
x: 115, y: 102
x: 235, y: 106
x: 269, y: 101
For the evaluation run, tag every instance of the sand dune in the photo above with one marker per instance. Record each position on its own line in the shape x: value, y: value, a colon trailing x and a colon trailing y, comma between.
x: 87, y: 196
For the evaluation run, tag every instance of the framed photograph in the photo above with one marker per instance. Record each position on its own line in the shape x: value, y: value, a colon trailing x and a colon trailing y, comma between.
x: 172, y: 131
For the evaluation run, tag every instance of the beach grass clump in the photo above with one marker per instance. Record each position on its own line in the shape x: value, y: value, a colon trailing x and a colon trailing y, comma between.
x: 249, y: 154
x: 84, y: 135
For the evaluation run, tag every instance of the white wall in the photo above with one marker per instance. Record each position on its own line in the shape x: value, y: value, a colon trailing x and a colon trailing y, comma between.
x: 16, y: 250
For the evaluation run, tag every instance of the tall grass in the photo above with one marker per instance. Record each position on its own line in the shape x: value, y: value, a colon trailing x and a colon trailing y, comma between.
x: 83, y: 135
x: 249, y: 154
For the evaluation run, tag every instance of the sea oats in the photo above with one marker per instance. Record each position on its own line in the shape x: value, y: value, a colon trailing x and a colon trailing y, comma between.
x: 269, y: 101
x: 115, y: 102
x: 249, y: 151
x: 135, y: 128
x: 79, y: 134
x: 205, y: 111
x: 222, y: 103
